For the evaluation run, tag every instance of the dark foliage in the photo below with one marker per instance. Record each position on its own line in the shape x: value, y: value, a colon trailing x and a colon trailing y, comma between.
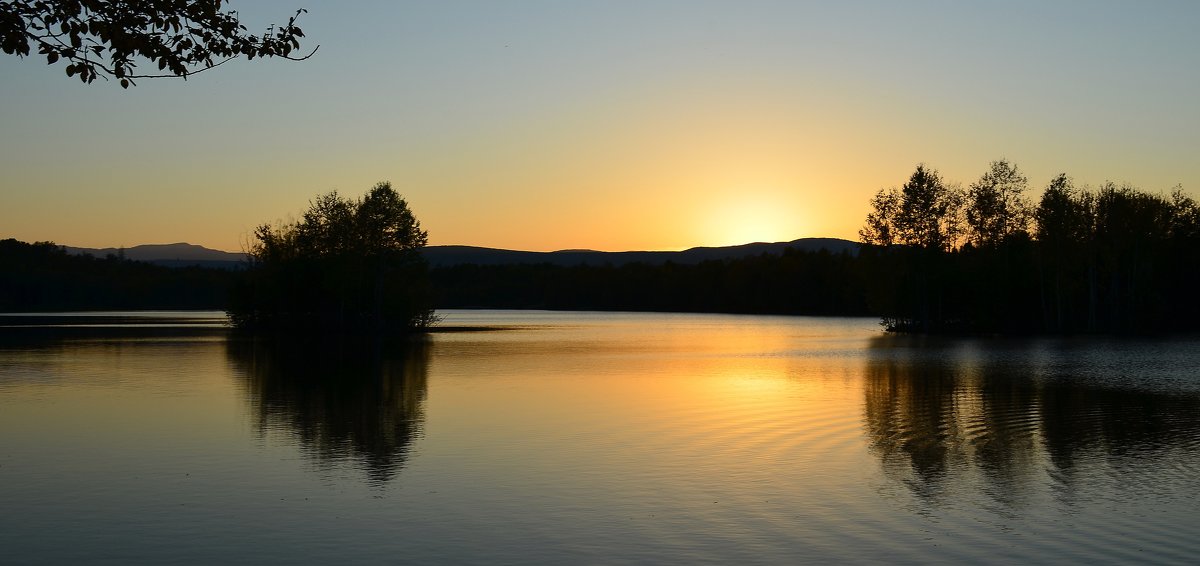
x: 180, y: 37
x: 1113, y: 260
x: 43, y: 277
x: 347, y: 265
x: 814, y: 283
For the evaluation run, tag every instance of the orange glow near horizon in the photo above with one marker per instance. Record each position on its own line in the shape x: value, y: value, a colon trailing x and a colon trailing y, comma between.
x: 753, y: 216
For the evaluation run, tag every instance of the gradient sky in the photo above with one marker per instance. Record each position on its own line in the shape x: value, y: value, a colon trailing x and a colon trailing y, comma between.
x: 608, y: 125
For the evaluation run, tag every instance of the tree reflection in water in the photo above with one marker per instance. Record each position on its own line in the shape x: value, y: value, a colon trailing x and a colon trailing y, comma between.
x: 949, y: 419
x: 341, y: 400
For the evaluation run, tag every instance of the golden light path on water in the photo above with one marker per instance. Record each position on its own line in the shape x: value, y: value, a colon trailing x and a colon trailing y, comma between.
x: 684, y: 427
x: 775, y: 435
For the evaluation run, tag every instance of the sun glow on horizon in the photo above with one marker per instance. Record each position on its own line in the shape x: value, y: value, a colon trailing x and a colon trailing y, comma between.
x: 753, y: 216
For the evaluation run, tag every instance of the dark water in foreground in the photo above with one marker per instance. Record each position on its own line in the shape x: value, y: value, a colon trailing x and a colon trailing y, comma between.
x: 595, y: 438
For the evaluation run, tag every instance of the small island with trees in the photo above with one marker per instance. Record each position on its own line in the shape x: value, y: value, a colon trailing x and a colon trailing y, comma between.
x: 347, y: 266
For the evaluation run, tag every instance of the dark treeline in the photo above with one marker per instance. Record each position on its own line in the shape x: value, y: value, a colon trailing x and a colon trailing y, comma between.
x: 42, y: 276
x: 1111, y: 260
x: 796, y: 282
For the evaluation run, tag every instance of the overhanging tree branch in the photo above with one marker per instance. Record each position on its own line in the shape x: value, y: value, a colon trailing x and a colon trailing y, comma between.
x: 99, y: 38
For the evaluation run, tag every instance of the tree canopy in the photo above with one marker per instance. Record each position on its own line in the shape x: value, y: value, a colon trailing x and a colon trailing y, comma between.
x: 100, y: 38
x: 996, y: 207
x: 924, y: 212
x: 347, y: 264
x: 1112, y: 259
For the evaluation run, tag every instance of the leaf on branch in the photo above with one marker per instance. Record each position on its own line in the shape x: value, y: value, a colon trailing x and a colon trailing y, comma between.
x: 182, y: 36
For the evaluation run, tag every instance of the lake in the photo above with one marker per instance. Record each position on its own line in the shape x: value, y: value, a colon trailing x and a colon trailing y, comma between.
x: 603, y: 438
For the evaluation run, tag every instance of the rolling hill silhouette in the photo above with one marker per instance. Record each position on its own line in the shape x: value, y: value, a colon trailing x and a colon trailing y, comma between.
x: 183, y: 254
x: 445, y: 256
x: 171, y: 255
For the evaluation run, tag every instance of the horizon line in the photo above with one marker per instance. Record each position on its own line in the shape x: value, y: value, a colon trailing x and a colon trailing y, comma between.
x: 562, y: 250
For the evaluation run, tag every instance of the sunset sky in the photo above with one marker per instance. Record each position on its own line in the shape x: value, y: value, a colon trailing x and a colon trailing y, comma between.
x: 608, y: 125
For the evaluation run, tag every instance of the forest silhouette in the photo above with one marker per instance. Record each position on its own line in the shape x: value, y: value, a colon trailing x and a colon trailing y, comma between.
x: 985, y: 259
x: 935, y: 258
x: 44, y: 277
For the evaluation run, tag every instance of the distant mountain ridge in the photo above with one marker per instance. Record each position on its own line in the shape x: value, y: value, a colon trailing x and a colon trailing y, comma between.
x: 183, y: 254
x: 444, y: 256
x: 171, y: 255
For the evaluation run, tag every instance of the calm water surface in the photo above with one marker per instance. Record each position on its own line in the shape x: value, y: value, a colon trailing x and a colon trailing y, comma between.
x: 594, y: 438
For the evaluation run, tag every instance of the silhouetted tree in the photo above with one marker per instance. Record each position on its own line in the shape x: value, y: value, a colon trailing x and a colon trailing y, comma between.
x: 925, y: 212
x: 1111, y: 260
x: 1064, y: 222
x: 992, y: 270
x: 1185, y: 217
x: 880, y: 228
x: 996, y: 207
x: 180, y: 37
x: 346, y: 265
x: 914, y: 226
x: 928, y: 209
x: 1131, y: 230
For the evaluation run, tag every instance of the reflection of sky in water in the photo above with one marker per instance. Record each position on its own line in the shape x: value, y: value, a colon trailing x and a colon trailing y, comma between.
x: 602, y: 437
